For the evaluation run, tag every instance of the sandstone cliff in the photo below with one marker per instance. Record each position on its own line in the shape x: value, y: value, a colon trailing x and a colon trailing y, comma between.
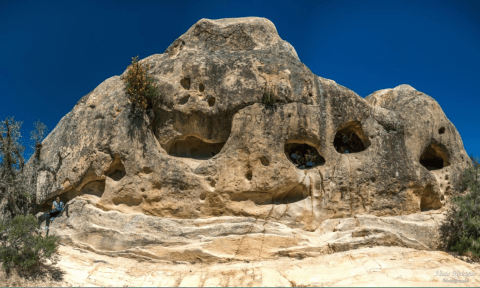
x: 207, y: 173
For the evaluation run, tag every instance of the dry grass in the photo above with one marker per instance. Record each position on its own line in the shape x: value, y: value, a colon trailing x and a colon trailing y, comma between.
x: 42, y: 274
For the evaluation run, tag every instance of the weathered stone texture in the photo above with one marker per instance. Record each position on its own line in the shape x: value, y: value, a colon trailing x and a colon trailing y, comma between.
x: 209, y: 149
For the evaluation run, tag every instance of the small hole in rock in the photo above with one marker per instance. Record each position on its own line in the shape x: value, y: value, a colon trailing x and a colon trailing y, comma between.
x: 249, y: 175
x: 201, y: 88
x: 264, y: 160
x: 116, y: 171
x: 441, y: 130
x: 211, y: 101
x: 146, y: 170
x: 185, y: 82
x: 310, y: 94
x: 212, y: 183
x: 184, y: 100
x: 203, y: 196
x: 142, y: 189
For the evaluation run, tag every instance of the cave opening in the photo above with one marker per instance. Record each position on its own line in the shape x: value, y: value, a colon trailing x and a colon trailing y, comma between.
x: 434, y: 157
x: 303, y: 156
x: 116, y: 171
x: 351, y: 139
x: 193, y: 147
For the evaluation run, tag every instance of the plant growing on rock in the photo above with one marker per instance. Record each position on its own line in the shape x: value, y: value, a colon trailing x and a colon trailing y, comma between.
x: 268, y: 97
x: 461, y: 232
x: 140, y: 87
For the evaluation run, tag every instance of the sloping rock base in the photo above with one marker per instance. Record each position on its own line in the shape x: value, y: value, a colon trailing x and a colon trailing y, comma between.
x: 227, y: 238
x: 378, y: 266
x: 110, y: 248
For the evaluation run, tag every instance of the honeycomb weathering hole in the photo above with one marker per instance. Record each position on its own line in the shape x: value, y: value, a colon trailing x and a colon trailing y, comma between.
x: 193, y: 147
x: 303, y: 155
x: 185, y: 82
x: 211, y: 101
x: 434, y: 157
x: 184, y: 100
x: 351, y: 138
x: 248, y: 175
x: 116, y: 171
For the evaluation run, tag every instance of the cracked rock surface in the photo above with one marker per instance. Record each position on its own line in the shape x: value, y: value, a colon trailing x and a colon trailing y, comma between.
x: 206, y: 174
x: 378, y: 266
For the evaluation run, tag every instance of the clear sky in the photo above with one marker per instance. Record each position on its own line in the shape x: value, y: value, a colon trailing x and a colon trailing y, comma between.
x: 55, y: 52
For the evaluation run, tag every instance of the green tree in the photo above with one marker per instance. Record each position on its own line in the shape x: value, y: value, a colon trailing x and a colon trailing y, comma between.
x: 20, y: 245
x: 13, y: 196
x: 461, y: 231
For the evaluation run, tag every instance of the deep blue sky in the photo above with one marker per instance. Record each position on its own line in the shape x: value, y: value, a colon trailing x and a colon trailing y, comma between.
x: 54, y: 52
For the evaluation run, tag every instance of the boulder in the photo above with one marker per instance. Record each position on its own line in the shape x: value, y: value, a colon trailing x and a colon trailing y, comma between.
x: 207, y: 172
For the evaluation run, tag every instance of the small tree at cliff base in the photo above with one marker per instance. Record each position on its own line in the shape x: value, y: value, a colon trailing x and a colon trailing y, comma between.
x: 461, y: 230
x: 20, y: 245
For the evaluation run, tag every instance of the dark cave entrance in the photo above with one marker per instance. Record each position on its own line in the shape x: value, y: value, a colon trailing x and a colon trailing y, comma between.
x: 193, y: 147
x: 434, y: 157
x: 303, y: 156
x: 351, y: 139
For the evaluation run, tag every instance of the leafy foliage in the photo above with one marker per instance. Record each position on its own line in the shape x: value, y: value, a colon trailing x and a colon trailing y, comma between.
x: 140, y: 87
x: 13, y: 187
x: 461, y: 232
x: 20, y: 246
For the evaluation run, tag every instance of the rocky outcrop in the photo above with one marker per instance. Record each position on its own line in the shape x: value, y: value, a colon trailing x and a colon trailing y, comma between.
x: 227, y: 238
x: 210, y: 163
x: 380, y: 266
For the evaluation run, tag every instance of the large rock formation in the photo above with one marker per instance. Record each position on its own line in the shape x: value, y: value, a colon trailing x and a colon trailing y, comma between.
x: 207, y: 173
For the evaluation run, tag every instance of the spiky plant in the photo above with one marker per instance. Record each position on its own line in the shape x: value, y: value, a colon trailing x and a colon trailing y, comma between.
x: 268, y: 97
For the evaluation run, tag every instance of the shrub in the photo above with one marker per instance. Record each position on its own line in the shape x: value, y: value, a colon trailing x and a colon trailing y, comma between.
x: 268, y: 97
x: 21, y: 246
x: 140, y: 86
x: 461, y: 232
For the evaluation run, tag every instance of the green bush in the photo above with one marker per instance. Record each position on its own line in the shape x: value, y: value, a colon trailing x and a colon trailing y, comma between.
x: 462, y: 229
x: 21, y: 246
x: 140, y: 87
x: 268, y: 98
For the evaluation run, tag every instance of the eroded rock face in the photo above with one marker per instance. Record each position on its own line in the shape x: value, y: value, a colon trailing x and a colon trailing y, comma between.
x: 377, y: 266
x: 210, y: 148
